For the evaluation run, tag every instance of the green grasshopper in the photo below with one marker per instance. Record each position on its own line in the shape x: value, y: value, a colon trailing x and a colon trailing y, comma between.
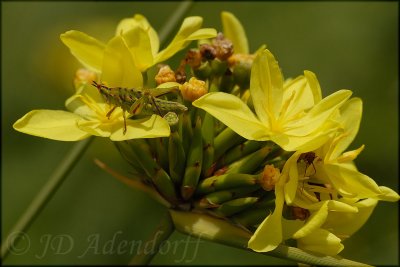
x: 135, y: 100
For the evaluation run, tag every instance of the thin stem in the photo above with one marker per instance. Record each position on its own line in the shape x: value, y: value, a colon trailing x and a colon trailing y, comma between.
x: 173, y: 21
x: 134, y: 182
x: 161, y: 234
x: 44, y: 195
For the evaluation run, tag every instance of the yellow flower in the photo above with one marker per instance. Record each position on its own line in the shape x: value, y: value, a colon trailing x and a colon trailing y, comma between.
x: 140, y: 39
x: 291, y: 114
x: 325, y: 182
x: 88, y: 116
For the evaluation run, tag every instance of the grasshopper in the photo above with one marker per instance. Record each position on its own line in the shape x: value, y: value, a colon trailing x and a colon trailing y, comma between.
x: 135, y: 100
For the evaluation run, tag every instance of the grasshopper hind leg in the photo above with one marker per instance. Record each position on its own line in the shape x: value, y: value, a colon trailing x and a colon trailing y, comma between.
x: 110, y: 112
x: 156, y: 106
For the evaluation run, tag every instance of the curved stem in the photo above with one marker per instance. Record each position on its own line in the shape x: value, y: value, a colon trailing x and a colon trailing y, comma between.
x: 223, y: 232
x: 151, y: 247
x: 44, y: 195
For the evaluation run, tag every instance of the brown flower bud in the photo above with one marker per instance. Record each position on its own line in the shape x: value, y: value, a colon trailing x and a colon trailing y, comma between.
x: 241, y: 59
x: 269, y: 177
x: 193, y: 58
x: 223, y: 47
x: 193, y: 89
x: 208, y: 51
x: 165, y: 74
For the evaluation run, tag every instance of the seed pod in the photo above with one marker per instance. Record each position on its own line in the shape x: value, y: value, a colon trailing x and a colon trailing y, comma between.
x: 234, y: 206
x: 241, y: 151
x: 207, y: 130
x: 176, y: 156
x: 125, y: 150
x: 187, y: 131
x: 251, y: 217
x: 225, y: 181
x: 225, y: 140
x: 142, y: 154
x: 251, y: 162
x: 161, y: 146
x: 194, y: 163
x: 216, y: 198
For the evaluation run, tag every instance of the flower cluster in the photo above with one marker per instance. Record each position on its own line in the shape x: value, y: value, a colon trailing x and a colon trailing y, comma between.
x: 224, y: 134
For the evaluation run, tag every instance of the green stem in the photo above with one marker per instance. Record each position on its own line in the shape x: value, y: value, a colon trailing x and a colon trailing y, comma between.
x: 173, y: 21
x: 45, y: 194
x: 161, y: 234
x: 223, y: 232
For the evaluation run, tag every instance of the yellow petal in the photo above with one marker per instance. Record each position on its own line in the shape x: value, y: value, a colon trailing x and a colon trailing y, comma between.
x: 344, y: 224
x: 269, y: 233
x: 119, y: 69
x: 314, y: 86
x: 319, y: 114
x: 148, y: 127
x: 231, y: 111
x: 187, y: 32
x: 292, y: 182
x: 314, y: 222
x: 297, y: 97
x: 96, y: 127
x: 388, y: 194
x: 77, y: 105
x: 318, y: 218
x: 321, y: 241
x: 305, y: 143
x: 233, y: 30
x: 91, y: 91
x: 350, y: 155
x: 140, y: 21
x: 53, y: 124
x: 266, y: 87
x: 333, y: 205
x: 138, y: 42
x: 88, y: 50
x: 350, y: 118
x: 350, y: 182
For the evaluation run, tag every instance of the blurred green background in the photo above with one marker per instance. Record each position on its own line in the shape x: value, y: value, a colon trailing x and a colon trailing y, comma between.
x: 349, y: 45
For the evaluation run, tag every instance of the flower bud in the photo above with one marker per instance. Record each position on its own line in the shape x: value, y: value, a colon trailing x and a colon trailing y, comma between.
x: 193, y: 58
x: 204, y: 71
x: 193, y: 89
x: 269, y: 177
x: 172, y: 119
x: 219, y: 67
x: 165, y: 74
x: 223, y: 47
x: 83, y: 76
x: 240, y: 65
x: 208, y: 51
